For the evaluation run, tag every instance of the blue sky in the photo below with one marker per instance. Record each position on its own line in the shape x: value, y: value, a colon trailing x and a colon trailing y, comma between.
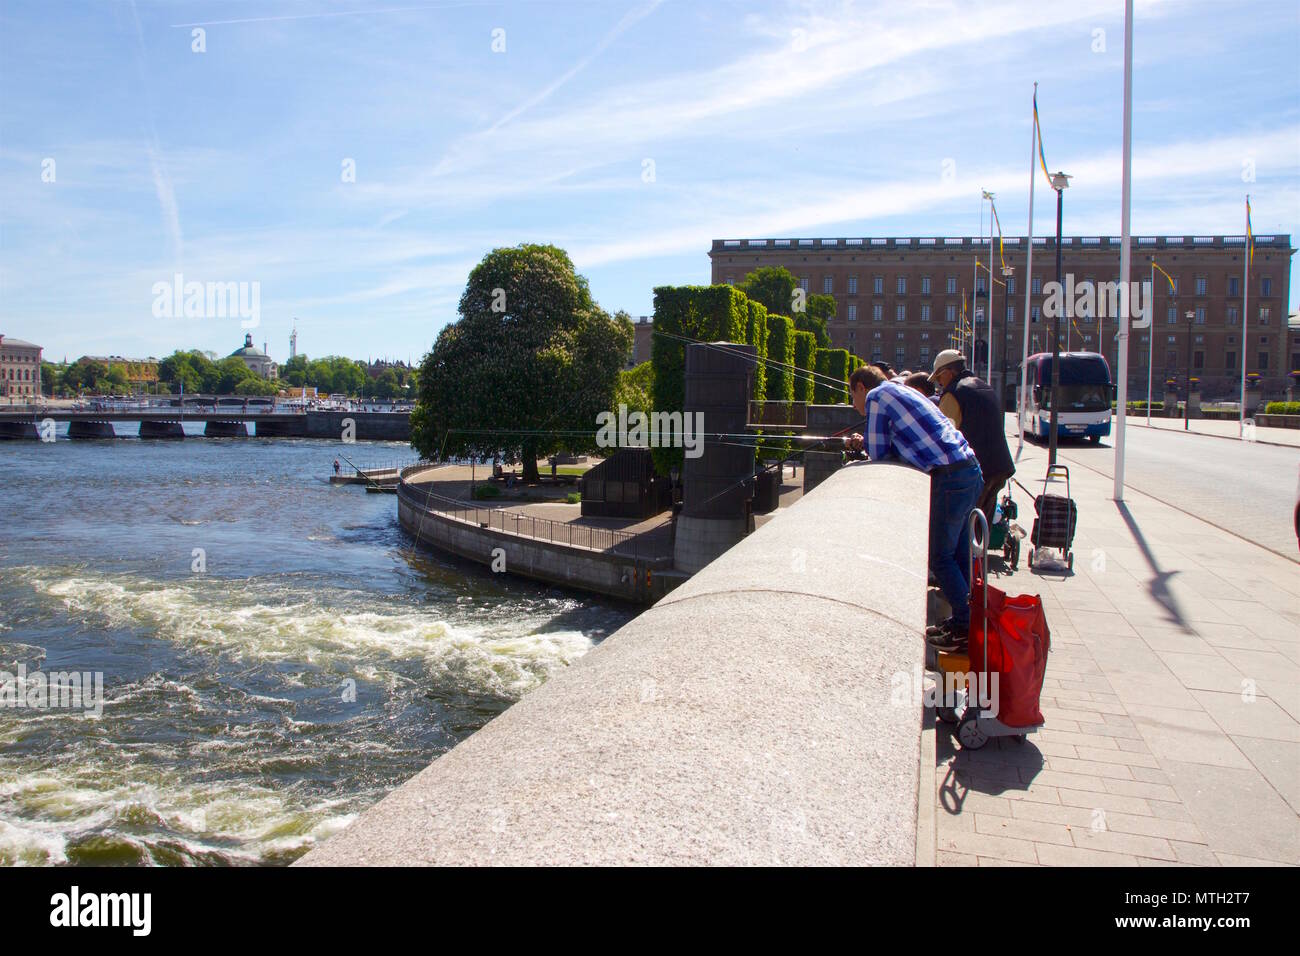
x: 760, y: 118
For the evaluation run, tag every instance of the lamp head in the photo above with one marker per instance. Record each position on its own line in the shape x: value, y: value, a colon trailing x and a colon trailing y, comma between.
x: 1060, y: 181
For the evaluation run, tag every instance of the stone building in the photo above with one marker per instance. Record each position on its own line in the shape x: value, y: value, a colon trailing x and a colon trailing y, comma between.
x: 256, y: 359
x: 900, y: 299
x: 20, y: 369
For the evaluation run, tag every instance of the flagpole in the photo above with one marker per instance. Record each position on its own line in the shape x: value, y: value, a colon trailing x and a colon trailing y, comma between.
x: 1245, y: 321
x: 1029, y: 283
x: 1151, y: 335
x: 1125, y: 255
x: 988, y: 308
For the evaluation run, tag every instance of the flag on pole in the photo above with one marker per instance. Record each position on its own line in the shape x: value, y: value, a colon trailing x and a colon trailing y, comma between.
x: 998, y: 223
x: 1155, y: 265
x: 1250, y: 236
x: 1042, y: 158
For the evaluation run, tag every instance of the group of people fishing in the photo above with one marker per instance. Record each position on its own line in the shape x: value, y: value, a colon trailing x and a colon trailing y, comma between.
x: 949, y: 424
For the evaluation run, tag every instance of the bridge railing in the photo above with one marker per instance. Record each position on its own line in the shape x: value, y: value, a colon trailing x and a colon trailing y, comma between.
x: 503, y: 518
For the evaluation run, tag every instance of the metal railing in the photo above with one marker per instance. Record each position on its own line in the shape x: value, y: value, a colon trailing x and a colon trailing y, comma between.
x: 513, y: 522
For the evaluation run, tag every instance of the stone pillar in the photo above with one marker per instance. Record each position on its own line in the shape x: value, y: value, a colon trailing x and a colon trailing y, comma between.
x: 715, y: 494
x: 1194, y: 402
x: 1171, y: 403
x: 83, y: 429
x: 215, y: 429
x: 153, y: 429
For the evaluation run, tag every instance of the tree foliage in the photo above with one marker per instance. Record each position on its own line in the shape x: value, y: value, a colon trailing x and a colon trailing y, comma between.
x: 528, y: 366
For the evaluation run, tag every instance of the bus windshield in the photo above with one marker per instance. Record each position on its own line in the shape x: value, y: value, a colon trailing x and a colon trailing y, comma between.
x: 1079, y: 398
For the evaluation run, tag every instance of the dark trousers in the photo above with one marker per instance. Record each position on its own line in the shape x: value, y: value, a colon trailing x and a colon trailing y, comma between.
x: 993, y: 485
x: 953, y: 495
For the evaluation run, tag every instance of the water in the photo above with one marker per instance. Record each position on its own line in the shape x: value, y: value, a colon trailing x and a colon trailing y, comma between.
x: 229, y: 734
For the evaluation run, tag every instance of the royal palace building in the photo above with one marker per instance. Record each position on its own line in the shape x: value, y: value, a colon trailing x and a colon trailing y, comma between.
x: 903, y: 300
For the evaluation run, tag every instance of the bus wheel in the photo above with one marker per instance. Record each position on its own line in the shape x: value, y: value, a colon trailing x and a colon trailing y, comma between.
x: 1095, y: 439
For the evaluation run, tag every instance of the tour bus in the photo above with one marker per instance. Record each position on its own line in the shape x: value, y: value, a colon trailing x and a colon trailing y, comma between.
x: 1085, y: 387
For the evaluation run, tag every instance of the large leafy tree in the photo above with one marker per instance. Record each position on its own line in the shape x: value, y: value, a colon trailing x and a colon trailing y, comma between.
x: 528, y: 366
x: 818, y: 310
x: 774, y: 286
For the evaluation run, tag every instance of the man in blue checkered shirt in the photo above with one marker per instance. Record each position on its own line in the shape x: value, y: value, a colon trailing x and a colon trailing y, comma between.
x: 903, y: 424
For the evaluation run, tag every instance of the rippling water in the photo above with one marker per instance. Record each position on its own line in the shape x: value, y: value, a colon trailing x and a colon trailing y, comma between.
x: 229, y: 732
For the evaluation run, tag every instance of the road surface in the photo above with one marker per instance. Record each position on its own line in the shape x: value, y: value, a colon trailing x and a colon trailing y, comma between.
x: 1248, y: 489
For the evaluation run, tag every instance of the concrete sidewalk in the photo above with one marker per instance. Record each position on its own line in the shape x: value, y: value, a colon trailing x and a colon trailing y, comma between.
x: 1172, y: 702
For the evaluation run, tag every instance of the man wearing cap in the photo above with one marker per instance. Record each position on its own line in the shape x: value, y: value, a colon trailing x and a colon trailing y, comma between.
x: 971, y: 404
x: 904, y: 424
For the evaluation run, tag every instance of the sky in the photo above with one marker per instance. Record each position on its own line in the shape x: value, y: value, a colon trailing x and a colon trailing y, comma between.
x: 351, y: 161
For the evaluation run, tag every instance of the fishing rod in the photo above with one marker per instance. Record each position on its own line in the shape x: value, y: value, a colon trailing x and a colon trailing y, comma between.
x: 369, y: 482
x: 780, y: 464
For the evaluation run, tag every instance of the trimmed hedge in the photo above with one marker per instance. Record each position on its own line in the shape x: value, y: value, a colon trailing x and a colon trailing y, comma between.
x: 840, y: 367
x: 780, y: 348
x: 756, y: 335
x: 805, y: 352
x: 831, y: 364
x: 717, y: 313
x: 1282, y: 408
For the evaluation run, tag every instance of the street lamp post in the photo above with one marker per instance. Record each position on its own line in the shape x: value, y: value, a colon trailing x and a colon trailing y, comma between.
x: 1006, y: 284
x: 1059, y: 182
x: 1187, y: 405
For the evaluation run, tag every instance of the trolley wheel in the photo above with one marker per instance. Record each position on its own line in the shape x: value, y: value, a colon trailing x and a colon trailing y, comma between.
x: 947, y: 714
x: 1069, y: 560
x: 969, y: 732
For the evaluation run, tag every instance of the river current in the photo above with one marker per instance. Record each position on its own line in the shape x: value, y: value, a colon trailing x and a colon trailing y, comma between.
x: 276, y: 654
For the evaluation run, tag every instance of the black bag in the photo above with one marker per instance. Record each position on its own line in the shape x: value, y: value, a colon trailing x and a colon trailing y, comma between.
x: 1054, y: 526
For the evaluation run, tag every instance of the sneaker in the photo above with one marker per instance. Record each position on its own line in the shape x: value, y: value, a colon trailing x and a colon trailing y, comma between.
x: 934, y: 630
x: 952, y: 639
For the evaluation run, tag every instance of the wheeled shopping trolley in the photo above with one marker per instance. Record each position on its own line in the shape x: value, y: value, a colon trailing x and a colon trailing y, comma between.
x: 1055, y: 521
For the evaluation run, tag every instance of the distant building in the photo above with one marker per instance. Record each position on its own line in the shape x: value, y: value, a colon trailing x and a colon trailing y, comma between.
x: 20, y: 369
x: 901, y: 300
x: 256, y: 359
x: 643, y: 329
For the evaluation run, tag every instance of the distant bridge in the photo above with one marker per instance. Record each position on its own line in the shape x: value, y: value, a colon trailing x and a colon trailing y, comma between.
x: 229, y: 422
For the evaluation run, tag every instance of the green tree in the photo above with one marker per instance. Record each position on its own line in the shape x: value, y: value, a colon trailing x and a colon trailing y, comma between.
x: 773, y: 287
x: 818, y: 311
x: 531, y: 361
x: 387, y: 385
x: 294, y: 371
x: 635, y: 388
x: 51, y: 378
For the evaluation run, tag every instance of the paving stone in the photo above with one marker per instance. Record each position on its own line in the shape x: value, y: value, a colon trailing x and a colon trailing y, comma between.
x: 1090, y: 799
x: 1050, y: 734
x: 1232, y: 859
x: 1134, y: 788
x: 981, y: 844
x: 1238, y: 811
x: 1150, y: 775
x: 948, y: 858
x: 1073, y: 781
x: 1194, y: 854
x: 1050, y: 854
x: 1279, y: 762
x: 1095, y: 767
x: 1114, y: 842
x: 1259, y: 717
x: 1167, y: 810
x: 1110, y: 730
x: 1023, y: 829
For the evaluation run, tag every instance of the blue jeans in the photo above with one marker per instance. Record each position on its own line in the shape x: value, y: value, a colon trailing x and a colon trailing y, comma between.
x: 952, y: 496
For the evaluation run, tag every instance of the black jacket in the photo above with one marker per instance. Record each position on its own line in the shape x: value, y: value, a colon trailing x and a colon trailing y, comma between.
x: 982, y: 423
